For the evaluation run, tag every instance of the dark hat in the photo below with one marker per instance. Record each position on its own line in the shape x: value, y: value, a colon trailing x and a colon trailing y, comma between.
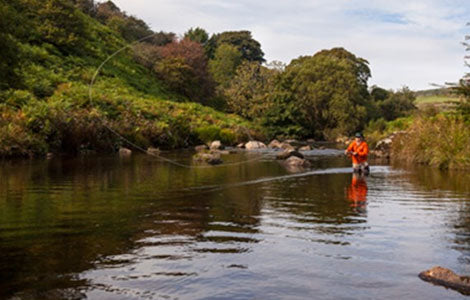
x: 359, y: 135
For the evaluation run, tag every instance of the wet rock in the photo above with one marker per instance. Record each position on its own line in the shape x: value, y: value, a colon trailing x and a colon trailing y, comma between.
x: 254, y: 145
x: 384, y: 146
x: 216, y: 145
x: 343, y: 140
x: 241, y: 145
x: 305, y: 148
x: 297, y: 161
x: 287, y: 146
x: 275, y: 144
x: 124, y: 152
x: 288, y: 153
x: 447, y: 278
x: 222, y: 152
x: 210, y: 158
x: 153, y: 151
x: 50, y: 155
x: 201, y: 148
x: 310, y: 141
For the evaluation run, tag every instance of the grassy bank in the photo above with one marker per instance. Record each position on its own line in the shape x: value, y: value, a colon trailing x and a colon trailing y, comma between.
x: 441, y: 141
x: 47, y: 107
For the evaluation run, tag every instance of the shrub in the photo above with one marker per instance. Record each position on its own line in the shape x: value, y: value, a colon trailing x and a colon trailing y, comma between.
x: 208, y: 133
x: 440, y: 141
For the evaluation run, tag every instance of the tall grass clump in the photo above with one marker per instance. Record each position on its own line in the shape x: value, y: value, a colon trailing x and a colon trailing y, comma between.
x: 442, y: 141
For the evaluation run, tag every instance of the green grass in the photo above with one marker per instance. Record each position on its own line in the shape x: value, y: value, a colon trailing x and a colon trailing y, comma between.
x: 434, y: 99
x: 51, y: 110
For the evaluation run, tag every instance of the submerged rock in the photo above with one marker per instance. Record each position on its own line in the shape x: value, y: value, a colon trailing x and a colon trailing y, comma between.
x: 288, y: 153
x: 153, y: 151
x: 297, y: 161
x: 210, y: 158
x: 253, y: 145
x: 447, y: 278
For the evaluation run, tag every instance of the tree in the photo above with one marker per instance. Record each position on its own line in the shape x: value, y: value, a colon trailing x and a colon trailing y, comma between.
x: 248, y: 47
x: 130, y: 28
x: 398, y: 104
x: 379, y: 94
x: 161, y: 38
x: 87, y: 6
x: 9, y: 53
x: 249, y: 93
x: 198, y: 86
x: 226, y: 60
x: 330, y: 88
x: 197, y: 35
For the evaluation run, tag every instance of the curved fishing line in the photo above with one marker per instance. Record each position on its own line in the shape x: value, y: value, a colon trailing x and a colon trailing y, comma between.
x: 213, y: 188
x: 90, y: 96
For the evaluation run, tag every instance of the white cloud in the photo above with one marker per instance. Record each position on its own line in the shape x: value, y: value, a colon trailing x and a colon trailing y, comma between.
x: 407, y: 42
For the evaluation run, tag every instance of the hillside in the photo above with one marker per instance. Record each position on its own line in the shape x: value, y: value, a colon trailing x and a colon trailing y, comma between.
x: 52, y: 50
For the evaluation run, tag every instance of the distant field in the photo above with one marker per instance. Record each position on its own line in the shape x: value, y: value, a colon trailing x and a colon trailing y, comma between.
x: 434, y: 99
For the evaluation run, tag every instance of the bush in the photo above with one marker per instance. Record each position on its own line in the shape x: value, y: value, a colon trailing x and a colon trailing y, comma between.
x: 208, y: 134
x: 440, y: 141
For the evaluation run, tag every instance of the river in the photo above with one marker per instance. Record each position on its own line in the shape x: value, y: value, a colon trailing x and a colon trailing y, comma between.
x: 138, y: 228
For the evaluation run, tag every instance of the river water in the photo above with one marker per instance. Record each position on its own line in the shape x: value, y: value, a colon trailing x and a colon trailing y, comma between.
x: 139, y: 228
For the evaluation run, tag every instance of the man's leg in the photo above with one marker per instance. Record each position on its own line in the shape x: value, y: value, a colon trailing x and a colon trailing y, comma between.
x: 356, y: 168
x: 365, y: 168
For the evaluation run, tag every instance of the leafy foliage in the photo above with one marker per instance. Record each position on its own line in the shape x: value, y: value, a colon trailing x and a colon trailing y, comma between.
x: 248, y: 47
x: 184, y: 68
x: 226, y: 60
x: 397, y: 104
x: 249, y: 93
x: 197, y: 35
x: 330, y: 89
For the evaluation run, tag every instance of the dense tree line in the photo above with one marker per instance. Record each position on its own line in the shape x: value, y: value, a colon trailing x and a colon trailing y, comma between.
x: 321, y: 95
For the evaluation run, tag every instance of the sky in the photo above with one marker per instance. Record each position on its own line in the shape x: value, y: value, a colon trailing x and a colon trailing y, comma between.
x: 412, y: 43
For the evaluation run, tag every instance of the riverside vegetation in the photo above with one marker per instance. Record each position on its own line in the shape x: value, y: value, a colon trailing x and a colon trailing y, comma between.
x: 172, y: 92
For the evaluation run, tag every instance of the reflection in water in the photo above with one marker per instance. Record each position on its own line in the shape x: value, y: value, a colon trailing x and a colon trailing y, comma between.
x: 105, y: 228
x: 357, y: 192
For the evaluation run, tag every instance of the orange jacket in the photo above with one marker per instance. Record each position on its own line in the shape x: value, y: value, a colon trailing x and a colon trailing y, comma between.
x: 362, y: 150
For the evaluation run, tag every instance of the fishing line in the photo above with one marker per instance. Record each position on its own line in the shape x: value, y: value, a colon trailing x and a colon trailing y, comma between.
x: 90, y: 96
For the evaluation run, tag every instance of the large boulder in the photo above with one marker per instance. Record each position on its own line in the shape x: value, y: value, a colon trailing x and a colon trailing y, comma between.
x: 384, y: 146
x: 216, y: 145
x: 275, y: 144
x: 288, y: 153
x: 254, y: 145
x: 287, y: 146
x: 447, y: 278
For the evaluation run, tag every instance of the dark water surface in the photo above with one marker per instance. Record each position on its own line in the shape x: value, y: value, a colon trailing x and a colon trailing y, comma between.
x: 107, y: 228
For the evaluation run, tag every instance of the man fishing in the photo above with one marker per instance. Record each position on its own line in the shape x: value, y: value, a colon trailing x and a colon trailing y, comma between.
x: 358, y: 151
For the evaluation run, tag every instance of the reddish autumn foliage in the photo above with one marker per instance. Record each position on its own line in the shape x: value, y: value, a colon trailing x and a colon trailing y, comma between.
x: 191, y: 54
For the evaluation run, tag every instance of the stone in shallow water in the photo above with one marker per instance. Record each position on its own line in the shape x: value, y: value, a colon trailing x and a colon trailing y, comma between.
x: 447, y: 278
